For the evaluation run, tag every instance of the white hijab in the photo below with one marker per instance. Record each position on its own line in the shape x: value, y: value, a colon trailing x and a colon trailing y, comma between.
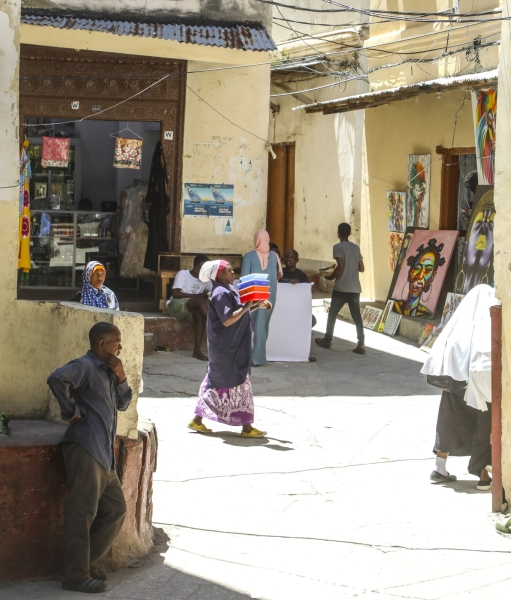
x: 463, y: 349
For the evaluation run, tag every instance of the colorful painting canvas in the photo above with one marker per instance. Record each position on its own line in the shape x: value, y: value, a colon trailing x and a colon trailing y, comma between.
x: 426, y: 332
x: 417, y: 209
x: 451, y: 304
x: 477, y: 264
x: 386, y: 311
x: 395, y: 243
x: 484, y: 107
x: 466, y: 189
x: 371, y: 316
x: 396, y: 207
x: 418, y: 285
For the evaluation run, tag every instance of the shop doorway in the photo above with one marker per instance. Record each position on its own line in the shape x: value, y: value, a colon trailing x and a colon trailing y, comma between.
x: 91, y: 209
x: 280, y: 216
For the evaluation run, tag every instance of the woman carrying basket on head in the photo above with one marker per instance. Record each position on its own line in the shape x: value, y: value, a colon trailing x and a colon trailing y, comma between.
x: 225, y: 395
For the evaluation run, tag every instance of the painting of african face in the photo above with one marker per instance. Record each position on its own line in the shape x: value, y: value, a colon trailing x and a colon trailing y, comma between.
x: 484, y: 105
x: 419, y: 283
x: 396, y: 206
x: 417, y: 210
x: 477, y: 264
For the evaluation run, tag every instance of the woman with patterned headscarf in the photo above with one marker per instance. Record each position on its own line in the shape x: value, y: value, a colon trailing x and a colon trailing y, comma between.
x: 225, y: 395
x: 94, y: 293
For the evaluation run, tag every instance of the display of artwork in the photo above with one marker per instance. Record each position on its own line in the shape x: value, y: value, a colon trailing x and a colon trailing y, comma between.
x: 392, y: 323
x: 55, y: 152
x: 128, y: 153
x: 451, y: 304
x: 371, y: 316
x: 396, y: 207
x: 477, y: 264
x: 417, y: 209
x: 395, y: 244
x: 466, y: 189
x: 386, y: 311
x: 418, y: 285
x: 484, y: 106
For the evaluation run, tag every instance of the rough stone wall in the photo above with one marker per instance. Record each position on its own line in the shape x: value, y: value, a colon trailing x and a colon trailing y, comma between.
x: 33, y: 493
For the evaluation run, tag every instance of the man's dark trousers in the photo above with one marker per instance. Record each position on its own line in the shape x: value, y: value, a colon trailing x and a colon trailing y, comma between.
x: 339, y: 299
x: 94, y: 512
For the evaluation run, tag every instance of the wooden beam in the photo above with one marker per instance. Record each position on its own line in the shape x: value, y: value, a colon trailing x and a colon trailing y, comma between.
x: 296, y: 94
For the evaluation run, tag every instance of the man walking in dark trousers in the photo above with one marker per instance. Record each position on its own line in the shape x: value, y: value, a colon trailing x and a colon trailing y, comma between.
x: 90, y: 390
x: 347, y: 287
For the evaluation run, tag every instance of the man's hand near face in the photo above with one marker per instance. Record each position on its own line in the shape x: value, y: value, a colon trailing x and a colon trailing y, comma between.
x: 115, y: 365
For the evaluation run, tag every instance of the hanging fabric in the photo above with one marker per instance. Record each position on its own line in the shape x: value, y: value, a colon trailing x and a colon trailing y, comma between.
x: 128, y: 153
x: 55, y: 152
x: 158, y: 203
x: 24, y: 211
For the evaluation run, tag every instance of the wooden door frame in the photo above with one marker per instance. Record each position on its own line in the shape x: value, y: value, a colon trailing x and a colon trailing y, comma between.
x: 448, y: 219
x: 289, y: 202
x: 52, y: 78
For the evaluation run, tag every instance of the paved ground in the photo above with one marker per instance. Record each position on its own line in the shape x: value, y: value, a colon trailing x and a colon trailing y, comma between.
x: 336, y: 502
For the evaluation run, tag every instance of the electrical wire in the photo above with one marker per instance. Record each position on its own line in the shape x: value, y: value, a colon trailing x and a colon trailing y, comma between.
x: 352, y: 9
x: 388, y: 66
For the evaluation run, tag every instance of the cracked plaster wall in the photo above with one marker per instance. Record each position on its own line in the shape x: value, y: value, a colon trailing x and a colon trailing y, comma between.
x: 214, y: 10
x: 503, y: 241
x: 216, y: 151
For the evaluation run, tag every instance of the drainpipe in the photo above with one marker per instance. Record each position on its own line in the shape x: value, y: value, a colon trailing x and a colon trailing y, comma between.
x: 496, y: 417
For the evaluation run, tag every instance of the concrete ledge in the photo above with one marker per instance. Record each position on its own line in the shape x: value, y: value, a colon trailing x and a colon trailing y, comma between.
x: 33, y: 493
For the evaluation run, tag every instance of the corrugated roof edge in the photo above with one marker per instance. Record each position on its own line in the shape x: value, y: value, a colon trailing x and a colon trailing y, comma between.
x: 242, y: 36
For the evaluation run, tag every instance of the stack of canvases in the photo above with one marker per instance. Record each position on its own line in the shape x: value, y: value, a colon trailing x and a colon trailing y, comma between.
x: 421, y: 258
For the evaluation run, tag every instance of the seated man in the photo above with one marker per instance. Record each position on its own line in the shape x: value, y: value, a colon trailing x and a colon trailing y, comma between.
x: 293, y: 275
x: 189, y: 301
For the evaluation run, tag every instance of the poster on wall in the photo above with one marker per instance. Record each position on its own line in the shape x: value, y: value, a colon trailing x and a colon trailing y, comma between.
x: 222, y: 200
x: 395, y: 244
x: 196, y: 199
x: 421, y: 276
x: 477, y: 263
x: 484, y: 109
x: 466, y: 189
x: 419, y: 174
x: 396, y: 207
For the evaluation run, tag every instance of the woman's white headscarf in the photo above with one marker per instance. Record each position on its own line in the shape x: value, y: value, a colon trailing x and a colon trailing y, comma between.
x: 463, y: 349
x: 210, y: 270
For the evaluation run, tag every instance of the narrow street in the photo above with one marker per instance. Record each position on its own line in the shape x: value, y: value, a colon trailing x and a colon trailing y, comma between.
x: 335, y: 502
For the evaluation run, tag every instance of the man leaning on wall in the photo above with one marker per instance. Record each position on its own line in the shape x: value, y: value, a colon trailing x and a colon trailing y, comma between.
x: 90, y: 390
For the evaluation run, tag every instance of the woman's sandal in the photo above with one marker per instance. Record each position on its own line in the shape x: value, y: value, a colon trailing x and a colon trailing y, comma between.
x: 200, y: 428
x: 255, y: 433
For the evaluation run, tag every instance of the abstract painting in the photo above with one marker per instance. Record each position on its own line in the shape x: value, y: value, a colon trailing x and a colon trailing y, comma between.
x: 386, y: 311
x: 417, y: 210
x: 466, y: 189
x: 395, y: 244
x: 371, y: 316
x: 392, y: 323
x: 419, y: 283
x: 426, y: 332
x: 396, y: 207
x: 484, y: 106
x: 451, y: 304
x: 477, y: 264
